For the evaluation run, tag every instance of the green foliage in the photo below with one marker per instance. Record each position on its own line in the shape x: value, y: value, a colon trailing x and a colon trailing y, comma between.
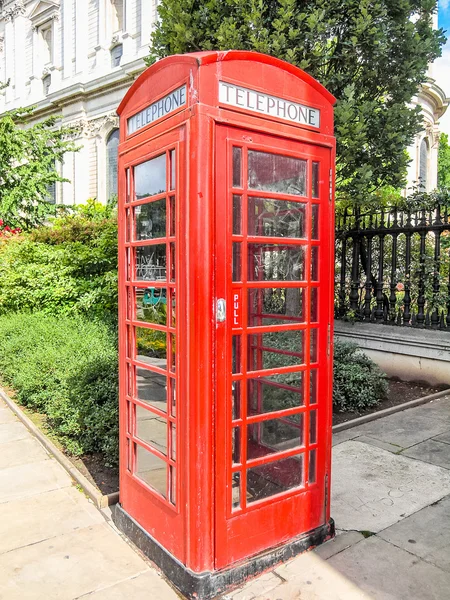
x: 444, y: 162
x: 28, y: 159
x: 372, y: 55
x: 69, y: 267
x: 358, y: 382
x: 65, y: 367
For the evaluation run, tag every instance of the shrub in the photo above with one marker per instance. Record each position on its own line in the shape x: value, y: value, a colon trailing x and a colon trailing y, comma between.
x: 358, y: 381
x: 65, y: 367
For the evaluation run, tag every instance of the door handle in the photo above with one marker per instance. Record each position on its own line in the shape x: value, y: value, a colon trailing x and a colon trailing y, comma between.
x: 221, y: 310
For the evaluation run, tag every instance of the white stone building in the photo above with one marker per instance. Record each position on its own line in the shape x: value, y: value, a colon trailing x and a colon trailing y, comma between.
x: 76, y: 58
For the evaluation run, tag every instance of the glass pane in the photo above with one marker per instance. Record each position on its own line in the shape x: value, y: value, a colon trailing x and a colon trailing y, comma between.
x: 151, y: 469
x: 173, y: 441
x: 150, y: 220
x: 275, y: 306
x: 274, y: 478
x: 237, y: 228
x: 276, y: 392
x: 314, y: 263
x: 237, y: 262
x: 276, y: 218
x: 236, y: 490
x: 173, y: 355
x: 173, y: 485
x: 151, y: 347
x: 313, y: 387
x: 127, y: 225
x: 173, y: 259
x: 152, y: 429
x: 236, y: 354
x: 313, y: 427
x: 312, y: 466
x: 128, y: 185
x: 150, y: 177
x: 172, y: 228
x: 237, y: 167
x: 236, y: 445
x: 151, y: 263
x: 276, y: 262
x: 276, y: 173
x: 173, y: 397
x: 274, y: 435
x: 151, y: 388
x: 172, y: 170
x: 313, y: 345
x: 172, y: 307
x: 236, y: 399
x: 315, y: 222
x: 314, y: 305
x: 151, y: 305
x: 277, y: 349
x: 315, y: 179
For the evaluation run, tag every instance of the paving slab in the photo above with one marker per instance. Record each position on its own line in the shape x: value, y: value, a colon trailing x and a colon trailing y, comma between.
x: 444, y: 437
x: 435, y: 453
x: 6, y: 416
x: 147, y: 586
x: 340, y: 542
x: 436, y: 409
x: 29, y: 479
x: 344, y: 436
x: 69, y: 566
x: 379, y: 443
x: 425, y: 534
x: 20, y: 452
x: 12, y: 431
x: 405, y: 428
x: 386, y: 572
x: 256, y: 588
x: 43, y: 516
x: 373, y: 489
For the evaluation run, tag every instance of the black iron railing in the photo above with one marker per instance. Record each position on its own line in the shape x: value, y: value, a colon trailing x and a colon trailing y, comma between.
x: 393, y: 266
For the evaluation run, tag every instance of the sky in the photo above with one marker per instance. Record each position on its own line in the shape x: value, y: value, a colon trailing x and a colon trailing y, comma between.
x: 441, y: 67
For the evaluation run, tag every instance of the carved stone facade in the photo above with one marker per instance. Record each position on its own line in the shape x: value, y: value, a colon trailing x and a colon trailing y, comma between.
x: 77, y: 59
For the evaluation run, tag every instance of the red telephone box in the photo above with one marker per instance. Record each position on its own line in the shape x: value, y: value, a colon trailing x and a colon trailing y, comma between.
x: 226, y: 225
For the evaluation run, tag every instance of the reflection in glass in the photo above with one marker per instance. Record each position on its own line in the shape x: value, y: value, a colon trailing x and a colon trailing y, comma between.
x: 314, y: 304
x: 236, y: 261
x: 277, y: 349
x: 312, y: 466
x: 172, y: 228
x: 313, y: 427
x: 173, y: 356
x: 236, y: 490
x: 173, y: 397
x: 151, y: 469
x: 315, y: 179
x: 274, y: 477
x: 151, y: 305
x: 275, y: 392
x: 173, y: 441
x: 275, y: 306
x: 276, y: 262
x: 151, y: 263
x: 127, y: 225
x: 314, y: 263
x: 313, y: 387
x: 236, y: 399
x: 172, y: 307
x: 276, y: 173
x: 236, y: 354
x: 237, y: 167
x: 150, y: 220
x: 236, y: 445
x: 173, y: 260
x: 274, y: 435
x: 173, y: 485
x: 237, y: 228
x: 315, y: 222
x: 151, y: 347
x: 276, y: 218
x: 150, y: 177
x: 172, y: 170
x: 152, y: 429
x: 151, y: 388
x: 313, y: 345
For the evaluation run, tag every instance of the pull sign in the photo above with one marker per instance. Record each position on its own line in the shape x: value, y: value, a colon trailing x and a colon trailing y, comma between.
x: 221, y: 310
x: 237, y: 313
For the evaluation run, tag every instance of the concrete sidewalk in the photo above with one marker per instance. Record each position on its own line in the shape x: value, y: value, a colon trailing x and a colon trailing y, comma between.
x: 390, y: 500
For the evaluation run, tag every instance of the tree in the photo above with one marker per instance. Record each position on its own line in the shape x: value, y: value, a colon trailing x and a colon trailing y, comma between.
x: 28, y: 159
x: 371, y: 54
x: 444, y: 162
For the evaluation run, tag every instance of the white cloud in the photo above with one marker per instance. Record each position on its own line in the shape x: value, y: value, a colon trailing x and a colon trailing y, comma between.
x: 443, y: 4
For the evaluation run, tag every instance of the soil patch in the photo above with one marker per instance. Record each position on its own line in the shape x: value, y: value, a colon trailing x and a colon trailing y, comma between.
x: 399, y: 392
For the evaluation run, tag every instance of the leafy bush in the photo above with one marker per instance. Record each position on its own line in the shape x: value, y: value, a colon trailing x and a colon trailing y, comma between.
x: 358, y: 381
x: 68, y: 267
x: 65, y: 367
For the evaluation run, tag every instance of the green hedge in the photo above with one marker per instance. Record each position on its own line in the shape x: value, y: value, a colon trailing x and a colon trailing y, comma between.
x: 65, y: 367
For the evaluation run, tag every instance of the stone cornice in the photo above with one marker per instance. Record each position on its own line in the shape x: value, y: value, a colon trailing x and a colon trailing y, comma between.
x: 13, y: 10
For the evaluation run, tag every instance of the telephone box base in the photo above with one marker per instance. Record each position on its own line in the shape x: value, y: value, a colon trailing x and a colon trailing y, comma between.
x: 208, y: 585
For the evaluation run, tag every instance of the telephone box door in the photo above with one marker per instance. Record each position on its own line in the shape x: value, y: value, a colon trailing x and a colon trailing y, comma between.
x: 274, y: 272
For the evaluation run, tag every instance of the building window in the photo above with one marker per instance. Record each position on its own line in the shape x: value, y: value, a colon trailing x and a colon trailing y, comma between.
x: 116, y: 55
x: 46, y: 83
x: 46, y: 43
x: 423, y: 164
x: 112, y: 151
x: 117, y: 15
